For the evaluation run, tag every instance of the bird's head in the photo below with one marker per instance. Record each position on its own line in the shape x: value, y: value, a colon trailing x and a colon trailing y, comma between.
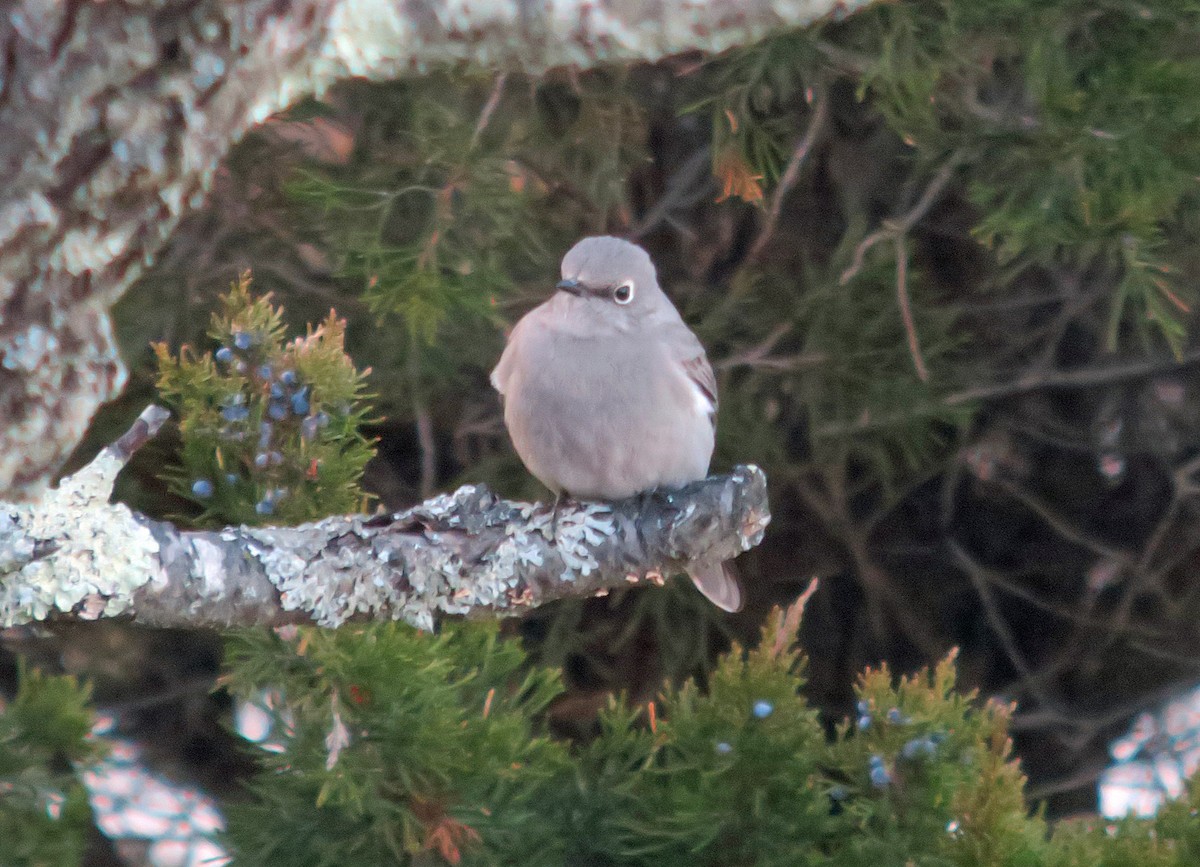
x: 612, y: 276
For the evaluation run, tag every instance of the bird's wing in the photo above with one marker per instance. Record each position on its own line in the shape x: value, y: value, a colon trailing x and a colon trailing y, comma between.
x: 508, y: 359
x: 689, y: 354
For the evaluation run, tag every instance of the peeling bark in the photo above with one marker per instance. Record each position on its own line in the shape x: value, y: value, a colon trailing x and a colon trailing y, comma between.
x: 116, y: 114
x: 469, y: 553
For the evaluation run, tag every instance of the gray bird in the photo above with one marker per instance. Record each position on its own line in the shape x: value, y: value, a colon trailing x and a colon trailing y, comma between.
x: 608, y: 393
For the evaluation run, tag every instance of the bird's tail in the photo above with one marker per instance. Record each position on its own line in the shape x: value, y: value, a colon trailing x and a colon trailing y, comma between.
x: 719, y: 583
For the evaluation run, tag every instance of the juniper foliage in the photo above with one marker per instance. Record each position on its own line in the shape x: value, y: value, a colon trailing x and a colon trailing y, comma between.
x: 407, y: 748
x: 267, y: 429
x: 44, y: 813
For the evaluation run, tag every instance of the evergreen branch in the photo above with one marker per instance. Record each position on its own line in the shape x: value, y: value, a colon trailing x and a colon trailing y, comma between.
x: 468, y: 553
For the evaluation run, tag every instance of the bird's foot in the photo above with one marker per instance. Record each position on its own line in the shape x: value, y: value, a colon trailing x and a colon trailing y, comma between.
x: 644, y: 498
x: 560, y: 501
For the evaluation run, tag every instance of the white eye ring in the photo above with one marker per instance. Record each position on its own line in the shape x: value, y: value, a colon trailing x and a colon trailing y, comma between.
x: 623, y: 294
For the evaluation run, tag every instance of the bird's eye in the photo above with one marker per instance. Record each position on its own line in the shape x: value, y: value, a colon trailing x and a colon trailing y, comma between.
x: 623, y: 294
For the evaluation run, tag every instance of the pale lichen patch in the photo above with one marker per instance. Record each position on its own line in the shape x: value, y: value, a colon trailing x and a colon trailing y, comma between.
x: 579, y: 532
x: 100, y: 553
x: 363, y: 36
x: 208, y: 568
x: 16, y: 548
x: 345, y: 567
x: 323, y: 579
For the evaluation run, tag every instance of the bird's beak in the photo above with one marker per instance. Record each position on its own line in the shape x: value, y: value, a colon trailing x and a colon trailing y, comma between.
x: 572, y: 286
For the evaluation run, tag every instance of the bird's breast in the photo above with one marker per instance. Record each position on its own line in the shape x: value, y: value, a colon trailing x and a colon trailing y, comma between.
x: 605, y: 417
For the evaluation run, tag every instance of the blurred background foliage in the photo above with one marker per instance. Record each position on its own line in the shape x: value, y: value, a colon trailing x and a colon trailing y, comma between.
x: 942, y: 255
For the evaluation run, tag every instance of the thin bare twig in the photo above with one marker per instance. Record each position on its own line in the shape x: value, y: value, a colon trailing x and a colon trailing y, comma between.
x: 489, y: 108
x: 852, y: 62
x: 999, y: 626
x: 687, y: 185
x: 791, y: 174
x: 896, y: 228
x: 1013, y: 588
x: 425, y: 437
x: 1088, y: 721
x: 910, y: 327
x: 1008, y: 121
x: 883, y: 597
x: 1089, y: 377
x: 1190, y: 660
x: 1063, y: 528
x: 1076, y: 780
x: 779, y: 362
x: 789, y: 625
x: 1183, y: 487
x: 759, y: 356
x: 1084, y: 378
x: 191, y: 687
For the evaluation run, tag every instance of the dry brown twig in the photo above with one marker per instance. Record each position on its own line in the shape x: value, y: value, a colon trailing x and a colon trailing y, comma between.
x: 687, y: 185
x: 896, y: 230
x: 1001, y: 629
x: 789, y: 624
x: 759, y: 355
x: 897, y: 227
x: 902, y: 298
x: 1086, y: 377
x: 883, y: 598
x: 489, y: 109
x: 791, y: 174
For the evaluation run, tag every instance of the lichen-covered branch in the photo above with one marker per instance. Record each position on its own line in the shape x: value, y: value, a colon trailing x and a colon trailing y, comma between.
x: 115, y: 116
x: 468, y: 553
